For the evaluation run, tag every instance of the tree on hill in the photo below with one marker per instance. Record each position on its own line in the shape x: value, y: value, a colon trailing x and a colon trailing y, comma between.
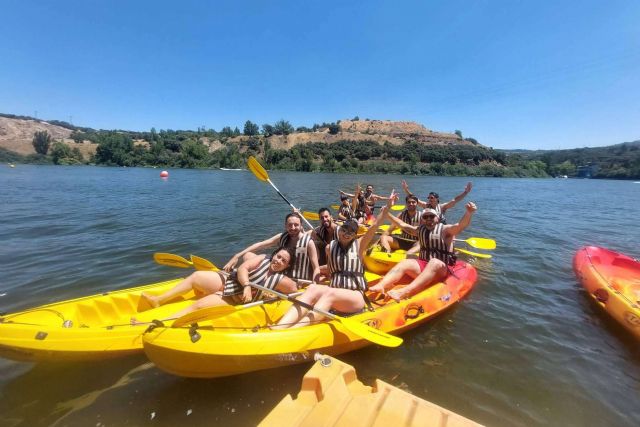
x: 282, y: 127
x: 267, y: 129
x: 250, y: 128
x: 41, y: 142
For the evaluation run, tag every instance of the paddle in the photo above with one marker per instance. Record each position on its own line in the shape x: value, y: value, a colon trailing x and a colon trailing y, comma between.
x: 210, y: 313
x: 475, y: 254
x: 479, y: 243
x: 393, y: 208
x: 203, y: 264
x: 262, y: 175
x: 365, y: 331
x: 311, y: 215
x: 171, y: 260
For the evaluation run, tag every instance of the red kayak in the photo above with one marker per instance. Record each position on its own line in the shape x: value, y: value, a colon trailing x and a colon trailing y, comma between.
x: 613, y: 282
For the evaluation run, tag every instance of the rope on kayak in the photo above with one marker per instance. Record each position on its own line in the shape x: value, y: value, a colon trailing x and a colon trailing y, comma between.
x: 66, y: 323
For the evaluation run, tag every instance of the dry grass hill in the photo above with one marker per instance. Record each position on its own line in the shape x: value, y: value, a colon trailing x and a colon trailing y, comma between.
x: 16, y: 135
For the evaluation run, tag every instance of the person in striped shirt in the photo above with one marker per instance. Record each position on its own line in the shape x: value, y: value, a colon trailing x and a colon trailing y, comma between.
x: 433, y: 200
x: 434, y: 258
x: 404, y: 241
x: 346, y: 290
x: 215, y: 288
x: 306, y: 266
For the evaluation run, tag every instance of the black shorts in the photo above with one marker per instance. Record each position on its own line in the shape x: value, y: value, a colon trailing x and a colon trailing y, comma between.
x: 403, y: 244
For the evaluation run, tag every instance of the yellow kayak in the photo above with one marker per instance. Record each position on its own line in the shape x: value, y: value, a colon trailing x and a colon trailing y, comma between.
x: 88, y: 328
x: 378, y: 261
x: 242, y: 341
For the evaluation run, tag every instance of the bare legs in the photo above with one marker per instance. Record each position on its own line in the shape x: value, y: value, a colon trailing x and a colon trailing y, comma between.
x: 324, y: 298
x: 202, y: 283
x: 434, y: 270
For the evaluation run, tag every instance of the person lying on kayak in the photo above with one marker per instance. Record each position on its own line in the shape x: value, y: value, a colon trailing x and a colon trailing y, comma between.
x: 405, y: 241
x: 346, y: 290
x: 219, y: 288
x: 323, y: 234
x: 434, y: 258
x: 433, y: 200
x: 306, y: 265
x: 345, y: 212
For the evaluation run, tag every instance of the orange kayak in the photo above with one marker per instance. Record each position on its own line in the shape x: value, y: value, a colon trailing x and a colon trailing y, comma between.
x: 613, y: 282
x: 332, y: 395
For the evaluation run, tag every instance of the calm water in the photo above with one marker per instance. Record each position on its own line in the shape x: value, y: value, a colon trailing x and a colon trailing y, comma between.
x: 526, y: 348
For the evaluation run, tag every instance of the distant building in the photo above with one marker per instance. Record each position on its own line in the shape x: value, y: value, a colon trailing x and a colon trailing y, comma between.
x: 587, y: 171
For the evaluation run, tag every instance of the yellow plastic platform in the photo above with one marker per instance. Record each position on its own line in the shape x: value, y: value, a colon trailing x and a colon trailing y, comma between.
x: 331, y: 395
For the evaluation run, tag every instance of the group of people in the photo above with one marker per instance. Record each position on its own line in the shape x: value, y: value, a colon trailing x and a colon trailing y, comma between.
x: 333, y: 253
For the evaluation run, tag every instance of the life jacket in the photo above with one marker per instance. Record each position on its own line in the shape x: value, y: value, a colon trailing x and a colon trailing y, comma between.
x: 259, y: 276
x: 411, y: 220
x: 346, y: 267
x: 302, y: 266
x: 432, y: 245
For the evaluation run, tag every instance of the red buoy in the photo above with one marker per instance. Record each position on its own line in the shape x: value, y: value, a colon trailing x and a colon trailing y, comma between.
x: 164, y: 174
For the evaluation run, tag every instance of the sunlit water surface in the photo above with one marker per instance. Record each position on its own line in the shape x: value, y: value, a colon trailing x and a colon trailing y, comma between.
x: 526, y: 348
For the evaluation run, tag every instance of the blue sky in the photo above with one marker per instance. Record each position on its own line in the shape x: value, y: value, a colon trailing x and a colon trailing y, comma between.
x: 512, y: 74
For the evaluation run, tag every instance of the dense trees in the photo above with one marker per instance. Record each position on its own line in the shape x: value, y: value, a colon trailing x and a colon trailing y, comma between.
x: 251, y: 129
x: 41, y: 142
x: 207, y: 148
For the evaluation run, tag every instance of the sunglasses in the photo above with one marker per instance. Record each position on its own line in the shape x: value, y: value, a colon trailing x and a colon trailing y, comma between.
x: 428, y: 216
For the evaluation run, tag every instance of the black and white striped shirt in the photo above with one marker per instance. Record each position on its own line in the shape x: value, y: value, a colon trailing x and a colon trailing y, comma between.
x: 346, y: 267
x: 302, y: 267
x: 411, y: 220
x: 432, y: 244
x: 259, y: 276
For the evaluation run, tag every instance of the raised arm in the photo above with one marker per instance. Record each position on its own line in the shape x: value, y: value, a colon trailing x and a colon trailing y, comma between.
x: 368, y: 236
x: 455, y: 229
x: 405, y: 187
x: 452, y: 203
x: 255, y: 247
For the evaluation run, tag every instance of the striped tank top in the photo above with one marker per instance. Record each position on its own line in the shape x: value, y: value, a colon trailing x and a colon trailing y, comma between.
x: 432, y: 244
x: 346, y: 267
x: 258, y: 276
x: 302, y: 266
x: 411, y: 220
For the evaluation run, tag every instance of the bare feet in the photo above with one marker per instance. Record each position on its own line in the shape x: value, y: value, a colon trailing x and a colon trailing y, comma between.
x: 397, y: 295
x: 377, y: 288
x: 153, y: 301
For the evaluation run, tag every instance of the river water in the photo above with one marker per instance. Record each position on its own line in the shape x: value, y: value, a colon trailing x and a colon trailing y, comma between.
x: 526, y: 348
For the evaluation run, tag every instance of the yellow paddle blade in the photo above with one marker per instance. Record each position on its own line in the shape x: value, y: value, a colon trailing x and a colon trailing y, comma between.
x: 371, y: 277
x: 367, y: 332
x: 475, y: 254
x: 311, y: 215
x: 171, y: 260
x: 206, y: 313
x: 257, y: 169
x: 398, y: 207
x: 203, y: 264
x: 335, y: 207
x: 481, y: 243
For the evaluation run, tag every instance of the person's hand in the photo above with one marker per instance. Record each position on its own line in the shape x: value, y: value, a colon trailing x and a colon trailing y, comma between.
x: 467, y: 189
x: 232, y: 263
x: 405, y: 186
x: 471, y: 207
x: 393, y: 198
x: 247, y: 296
